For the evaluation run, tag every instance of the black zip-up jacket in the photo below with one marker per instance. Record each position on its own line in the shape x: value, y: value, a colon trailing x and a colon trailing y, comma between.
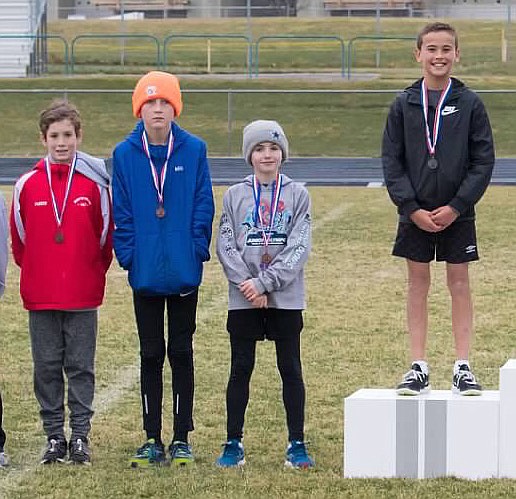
x: 464, y: 151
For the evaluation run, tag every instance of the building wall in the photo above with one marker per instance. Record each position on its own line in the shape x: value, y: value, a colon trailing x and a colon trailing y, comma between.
x: 204, y: 8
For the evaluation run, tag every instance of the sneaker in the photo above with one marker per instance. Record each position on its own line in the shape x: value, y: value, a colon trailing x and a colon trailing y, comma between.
x: 464, y: 382
x: 297, y: 457
x: 55, y: 451
x: 414, y: 382
x: 4, y: 460
x: 232, y: 455
x: 180, y: 453
x: 148, y: 455
x: 79, y: 453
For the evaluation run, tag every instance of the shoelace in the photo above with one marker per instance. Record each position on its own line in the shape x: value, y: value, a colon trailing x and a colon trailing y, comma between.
x: 414, y: 375
x: 79, y: 447
x: 298, y: 451
x: 181, y: 449
x: 53, y: 445
x: 231, y: 449
x: 467, y: 376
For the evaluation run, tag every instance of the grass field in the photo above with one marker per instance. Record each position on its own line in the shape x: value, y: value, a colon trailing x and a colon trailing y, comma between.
x: 354, y: 337
x: 354, y: 325
x: 318, y: 124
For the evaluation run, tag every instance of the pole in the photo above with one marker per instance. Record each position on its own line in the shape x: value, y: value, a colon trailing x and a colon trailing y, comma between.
x: 208, y: 54
x: 230, y: 119
x: 378, y: 31
x: 122, y: 30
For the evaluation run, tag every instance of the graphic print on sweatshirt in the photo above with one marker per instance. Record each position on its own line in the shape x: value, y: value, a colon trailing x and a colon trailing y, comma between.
x: 254, y: 231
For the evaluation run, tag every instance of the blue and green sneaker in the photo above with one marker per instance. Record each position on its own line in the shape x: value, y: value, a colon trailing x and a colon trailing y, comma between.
x: 150, y: 454
x: 180, y: 453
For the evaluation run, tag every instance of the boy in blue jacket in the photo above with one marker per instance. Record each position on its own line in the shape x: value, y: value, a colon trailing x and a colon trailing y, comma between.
x: 163, y: 210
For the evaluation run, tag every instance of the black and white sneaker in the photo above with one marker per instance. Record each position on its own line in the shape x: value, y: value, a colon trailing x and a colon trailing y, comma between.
x: 414, y: 382
x: 465, y: 383
x: 79, y: 452
x: 55, y: 451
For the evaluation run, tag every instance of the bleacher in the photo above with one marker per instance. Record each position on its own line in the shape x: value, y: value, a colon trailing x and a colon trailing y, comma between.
x: 15, y: 19
x: 369, y: 7
x: 152, y: 9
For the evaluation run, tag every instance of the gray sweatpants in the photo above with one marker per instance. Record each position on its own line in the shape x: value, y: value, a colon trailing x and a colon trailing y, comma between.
x: 64, y: 341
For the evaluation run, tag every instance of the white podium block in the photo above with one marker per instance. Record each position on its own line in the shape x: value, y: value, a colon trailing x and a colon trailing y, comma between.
x: 432, y: 435
x: 508, y: 419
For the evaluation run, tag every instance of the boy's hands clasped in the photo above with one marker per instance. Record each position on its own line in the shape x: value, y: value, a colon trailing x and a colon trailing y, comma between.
x: 251, y: 294
x: 435, y: 220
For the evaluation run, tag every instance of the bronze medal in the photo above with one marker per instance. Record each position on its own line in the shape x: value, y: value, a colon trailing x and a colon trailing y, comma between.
x: 160, y: 211
x: 266, y: 259
x: 59, y: 237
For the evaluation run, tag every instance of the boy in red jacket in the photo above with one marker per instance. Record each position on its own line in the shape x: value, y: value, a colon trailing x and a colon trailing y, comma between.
x: 61, y: 230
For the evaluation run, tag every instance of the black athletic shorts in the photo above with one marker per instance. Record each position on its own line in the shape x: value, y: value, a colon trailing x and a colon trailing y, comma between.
x: 265, y: 323
x: 455, y: 244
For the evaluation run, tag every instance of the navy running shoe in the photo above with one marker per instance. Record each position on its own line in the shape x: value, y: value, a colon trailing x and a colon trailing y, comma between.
x: 150, y: 454
x: 465, y: 383
x: 414, y: 382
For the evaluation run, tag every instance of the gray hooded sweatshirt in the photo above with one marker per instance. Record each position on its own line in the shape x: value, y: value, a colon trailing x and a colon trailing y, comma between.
x: 240, y: 244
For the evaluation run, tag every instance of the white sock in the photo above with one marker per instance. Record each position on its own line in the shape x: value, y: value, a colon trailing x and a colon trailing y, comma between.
x: 423, y: 365
x: 458, y: 363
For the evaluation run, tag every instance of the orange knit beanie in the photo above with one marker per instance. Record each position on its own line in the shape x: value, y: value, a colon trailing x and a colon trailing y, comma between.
x: 157, y: 85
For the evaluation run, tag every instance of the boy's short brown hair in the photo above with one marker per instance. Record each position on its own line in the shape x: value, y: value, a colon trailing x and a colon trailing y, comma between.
x: 432, y: 28
x: 59, y: 110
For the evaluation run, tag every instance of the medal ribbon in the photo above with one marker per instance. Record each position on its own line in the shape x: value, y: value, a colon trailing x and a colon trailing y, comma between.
x: 431, y: 142
x: 159, y: 186
x: 59, y: 216
x: 275, y: 198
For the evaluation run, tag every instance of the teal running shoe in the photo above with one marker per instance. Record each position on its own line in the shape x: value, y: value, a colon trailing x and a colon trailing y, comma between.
x: 180, y: 453
x: 297, y: 456
x: 150, y: 454
x: 232, y: 455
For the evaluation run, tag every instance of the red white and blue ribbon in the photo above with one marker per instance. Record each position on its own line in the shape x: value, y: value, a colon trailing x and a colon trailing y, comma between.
x: 275, y: 199
x: 431, y: 141
x: 159, y: 184
x: 60, y: 214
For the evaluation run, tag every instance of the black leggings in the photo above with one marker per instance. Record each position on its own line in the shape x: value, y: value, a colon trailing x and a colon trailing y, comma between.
x: 181, y: 311
x: 288, y: 358
x: 2, y: 432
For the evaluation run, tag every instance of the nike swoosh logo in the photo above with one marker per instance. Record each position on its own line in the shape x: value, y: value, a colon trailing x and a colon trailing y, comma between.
x: 446, y: 112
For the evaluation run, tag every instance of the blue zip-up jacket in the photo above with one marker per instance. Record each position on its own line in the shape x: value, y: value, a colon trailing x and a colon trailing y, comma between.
x: 164, y: 256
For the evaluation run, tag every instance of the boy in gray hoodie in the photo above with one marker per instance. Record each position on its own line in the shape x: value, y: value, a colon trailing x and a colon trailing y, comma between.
x: 263, y: 244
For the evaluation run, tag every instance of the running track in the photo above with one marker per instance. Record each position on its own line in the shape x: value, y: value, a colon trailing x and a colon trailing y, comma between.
x: 312, y: 171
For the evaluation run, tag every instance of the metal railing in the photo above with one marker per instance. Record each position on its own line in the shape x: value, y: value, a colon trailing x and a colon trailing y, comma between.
x: 208, y: 38
x: 377, y: 38
x: 162, y: 48
x: 301, y: 38
x: 45, y: 37
x: 122, y: 38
